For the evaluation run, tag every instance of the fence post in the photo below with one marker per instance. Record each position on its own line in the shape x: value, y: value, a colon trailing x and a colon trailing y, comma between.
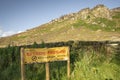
x: 47, y: 71
x: 68, y: 65
x: 22, y: 64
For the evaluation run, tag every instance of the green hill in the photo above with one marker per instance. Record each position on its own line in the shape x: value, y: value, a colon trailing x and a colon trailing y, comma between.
x: 97, y: 24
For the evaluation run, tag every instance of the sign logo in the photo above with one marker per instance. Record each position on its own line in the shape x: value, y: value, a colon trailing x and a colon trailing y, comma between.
x: 34, y: 58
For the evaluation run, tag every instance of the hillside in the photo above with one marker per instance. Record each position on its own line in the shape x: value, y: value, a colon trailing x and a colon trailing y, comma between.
x: 97, y: 24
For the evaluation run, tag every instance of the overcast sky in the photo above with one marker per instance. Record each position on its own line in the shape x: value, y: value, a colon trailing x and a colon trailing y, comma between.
x: 19, y: 15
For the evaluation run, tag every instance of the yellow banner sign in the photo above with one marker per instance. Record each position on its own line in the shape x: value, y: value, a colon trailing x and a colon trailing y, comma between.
x: 40, y: 55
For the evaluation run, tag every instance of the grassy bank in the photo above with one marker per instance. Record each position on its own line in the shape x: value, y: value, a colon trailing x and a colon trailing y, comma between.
x: 89, y: 61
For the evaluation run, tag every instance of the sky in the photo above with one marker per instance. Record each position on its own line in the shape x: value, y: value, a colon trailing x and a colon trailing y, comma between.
x: 20, y: 15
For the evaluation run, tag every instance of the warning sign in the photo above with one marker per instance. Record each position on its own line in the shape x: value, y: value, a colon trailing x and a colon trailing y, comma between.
x: 40, y: 55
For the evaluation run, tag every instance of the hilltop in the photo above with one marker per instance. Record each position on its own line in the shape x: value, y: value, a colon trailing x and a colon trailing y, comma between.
x: 97, y: 24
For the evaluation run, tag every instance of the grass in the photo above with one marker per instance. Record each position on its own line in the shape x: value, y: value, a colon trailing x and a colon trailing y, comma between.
x: 79, y: 23
x: 109, y: 25
x: 91, y: 68
x: 88, y: 62
x: 116, y: 16
x: 85, y: 71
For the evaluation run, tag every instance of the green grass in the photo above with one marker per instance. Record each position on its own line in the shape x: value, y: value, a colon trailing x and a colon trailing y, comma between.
x: 91, y: 68
x: 22, y: 36
x: 87, y: 61
x: 79, y: 23
x: 109, y: 25
x: 85, y: 71
x: 116, y: 16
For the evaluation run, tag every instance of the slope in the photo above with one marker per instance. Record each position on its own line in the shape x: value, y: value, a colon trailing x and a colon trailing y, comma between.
x: 97, y: 24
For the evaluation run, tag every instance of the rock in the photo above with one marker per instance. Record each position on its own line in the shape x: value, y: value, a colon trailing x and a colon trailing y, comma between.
x: 103, y: 25
x: 83, y: 14
x: 99, y: 30
x: 94, y: 23
x: 101, y: 11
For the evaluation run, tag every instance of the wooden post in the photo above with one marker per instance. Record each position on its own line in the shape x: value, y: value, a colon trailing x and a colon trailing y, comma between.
x: 68, y: 65
x: 22, y: 65
x: 47, y: 71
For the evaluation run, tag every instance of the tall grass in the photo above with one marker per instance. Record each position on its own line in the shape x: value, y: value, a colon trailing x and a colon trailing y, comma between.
x: 91, y: 68
x: 88, y: 61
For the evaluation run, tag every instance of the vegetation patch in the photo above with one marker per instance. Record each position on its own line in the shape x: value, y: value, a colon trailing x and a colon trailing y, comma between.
x: 117, y: 15
x: 88, y: 60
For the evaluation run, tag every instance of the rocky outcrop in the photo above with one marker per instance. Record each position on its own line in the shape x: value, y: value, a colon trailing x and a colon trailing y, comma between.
x: 88, y: 14
x: 101, y: 11
x: 84, y: 13
x: 116, y: 9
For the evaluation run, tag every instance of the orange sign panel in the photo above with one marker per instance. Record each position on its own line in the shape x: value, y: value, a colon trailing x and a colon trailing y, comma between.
x: 57, y: 54
x: 39, y: 55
